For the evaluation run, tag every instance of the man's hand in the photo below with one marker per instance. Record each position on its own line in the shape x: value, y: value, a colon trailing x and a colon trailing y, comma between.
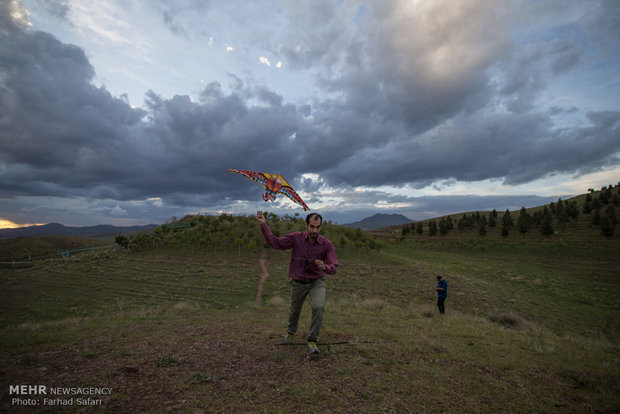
x: 260, y: 218
x: 320, y: 264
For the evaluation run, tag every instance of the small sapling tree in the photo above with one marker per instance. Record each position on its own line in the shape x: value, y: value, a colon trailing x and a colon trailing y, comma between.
x: 122, y: 241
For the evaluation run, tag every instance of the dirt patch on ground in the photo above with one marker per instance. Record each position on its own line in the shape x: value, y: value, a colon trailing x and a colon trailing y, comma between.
x: 262, y: 262
x: 211, y: 366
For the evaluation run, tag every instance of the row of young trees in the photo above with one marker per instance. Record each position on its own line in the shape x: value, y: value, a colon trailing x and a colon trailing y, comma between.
x: 546, y: 220
x: 226, y: 232
x: 603, y: 208
x: 542, y: 220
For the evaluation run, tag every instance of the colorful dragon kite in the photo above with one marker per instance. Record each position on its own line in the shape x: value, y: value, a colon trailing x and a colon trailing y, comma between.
x: 274, y: 184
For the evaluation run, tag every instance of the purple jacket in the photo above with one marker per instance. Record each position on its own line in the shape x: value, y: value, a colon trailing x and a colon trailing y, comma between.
x: 304, y: 254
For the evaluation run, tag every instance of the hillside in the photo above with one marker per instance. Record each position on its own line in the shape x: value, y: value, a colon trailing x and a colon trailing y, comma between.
x: 588, y: 217
x: 44, y: 247
x: 56, y: 229
x: 241, y: 234
x: 190, y: 317
x: 174, y: 323
x: 571, y: 220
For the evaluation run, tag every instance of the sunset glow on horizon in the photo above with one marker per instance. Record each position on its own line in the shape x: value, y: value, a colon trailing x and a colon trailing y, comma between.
x: 7, y: 224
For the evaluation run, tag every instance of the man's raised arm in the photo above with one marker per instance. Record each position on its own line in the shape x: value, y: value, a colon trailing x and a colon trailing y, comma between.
x: 280, y: 243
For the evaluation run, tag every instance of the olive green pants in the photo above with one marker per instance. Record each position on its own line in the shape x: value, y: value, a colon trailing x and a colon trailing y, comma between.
x: 299, y: 291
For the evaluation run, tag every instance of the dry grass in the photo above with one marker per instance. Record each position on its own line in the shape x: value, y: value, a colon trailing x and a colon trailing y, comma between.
x: 167, y: 336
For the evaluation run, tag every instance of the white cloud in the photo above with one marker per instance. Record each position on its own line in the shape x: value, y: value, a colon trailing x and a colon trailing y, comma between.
x: 267, y: 62
x: 156, y: 201
x: 18, y: 13
x: 264, y: 61
x: 117, y: 211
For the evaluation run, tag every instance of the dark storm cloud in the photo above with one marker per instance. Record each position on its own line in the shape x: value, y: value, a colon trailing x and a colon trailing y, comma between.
x: 419, y: 103
x: 316, y: 35
x: 518, y: 147
x: 197, y: 142
x: 528, y: 71
x: 409, y: 100
x: 57, y: 129
x: 62, y: 136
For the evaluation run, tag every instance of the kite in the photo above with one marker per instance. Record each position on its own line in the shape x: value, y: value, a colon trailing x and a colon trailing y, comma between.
x: 274, y: 184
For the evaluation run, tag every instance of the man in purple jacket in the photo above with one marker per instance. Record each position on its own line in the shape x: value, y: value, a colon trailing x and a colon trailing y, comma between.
x: 313, y: 255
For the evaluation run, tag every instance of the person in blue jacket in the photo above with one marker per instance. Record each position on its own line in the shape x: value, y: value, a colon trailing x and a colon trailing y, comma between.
x: 442, y: 293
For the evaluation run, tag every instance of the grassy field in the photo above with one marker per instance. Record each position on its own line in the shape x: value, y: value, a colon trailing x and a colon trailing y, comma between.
x: 39, y: 248
x: 530, y: 328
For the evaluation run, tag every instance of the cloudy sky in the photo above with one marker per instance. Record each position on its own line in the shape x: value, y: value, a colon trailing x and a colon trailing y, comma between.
x: 127, y: 113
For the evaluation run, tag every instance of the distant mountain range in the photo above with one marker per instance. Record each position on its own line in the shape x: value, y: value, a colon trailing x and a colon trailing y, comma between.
x: 56, y: 229
x: 380, y: 220
x: 106, y: 231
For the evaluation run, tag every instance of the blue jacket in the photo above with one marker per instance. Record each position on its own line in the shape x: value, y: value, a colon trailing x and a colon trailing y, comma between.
x: 442, y: 293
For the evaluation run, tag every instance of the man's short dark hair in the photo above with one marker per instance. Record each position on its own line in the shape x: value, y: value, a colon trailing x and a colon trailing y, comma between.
x: 309, y: 216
